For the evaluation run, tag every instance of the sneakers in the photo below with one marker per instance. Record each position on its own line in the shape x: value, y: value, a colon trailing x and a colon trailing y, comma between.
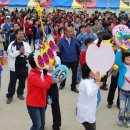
x: 75, y: 90
x: 21, y: 97
x: 9, y: 100
x: 120, y: 123
x: 104, y: 88
x: 55, y: 128
x: 109, y: 106
x: 127, y: 125
x: 61, y: 87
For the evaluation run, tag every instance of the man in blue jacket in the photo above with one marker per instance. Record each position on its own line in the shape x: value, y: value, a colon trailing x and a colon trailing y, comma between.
x: 69, y: 50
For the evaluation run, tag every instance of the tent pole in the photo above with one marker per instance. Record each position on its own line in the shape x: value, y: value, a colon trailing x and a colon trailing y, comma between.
x: 108, y: 5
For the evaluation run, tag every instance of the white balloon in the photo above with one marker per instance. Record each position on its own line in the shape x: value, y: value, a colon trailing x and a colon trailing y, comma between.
x: 100, y: 58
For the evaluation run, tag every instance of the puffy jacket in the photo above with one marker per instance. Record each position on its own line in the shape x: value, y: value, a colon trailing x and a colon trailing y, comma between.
x: 37, y: 88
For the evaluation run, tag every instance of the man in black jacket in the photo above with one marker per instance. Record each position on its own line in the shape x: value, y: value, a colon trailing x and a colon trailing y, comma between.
x: 18, y: 52
x: 12, y: 30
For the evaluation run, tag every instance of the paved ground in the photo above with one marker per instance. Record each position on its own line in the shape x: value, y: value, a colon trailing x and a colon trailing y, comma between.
x: 15, y: 116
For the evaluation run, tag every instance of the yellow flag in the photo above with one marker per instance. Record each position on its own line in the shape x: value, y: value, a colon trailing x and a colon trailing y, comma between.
x: 38, y: 8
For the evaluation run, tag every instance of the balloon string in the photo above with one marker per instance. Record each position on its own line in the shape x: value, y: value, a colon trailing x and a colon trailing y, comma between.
x: 110, y: 73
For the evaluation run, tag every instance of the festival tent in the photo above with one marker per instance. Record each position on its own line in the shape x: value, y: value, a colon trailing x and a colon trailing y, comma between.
x: 98, y: 4
x: 123, y: 6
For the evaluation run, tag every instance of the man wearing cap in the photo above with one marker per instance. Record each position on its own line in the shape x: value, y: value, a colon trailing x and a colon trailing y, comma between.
x: 7, y: 25
x: 5, y: 28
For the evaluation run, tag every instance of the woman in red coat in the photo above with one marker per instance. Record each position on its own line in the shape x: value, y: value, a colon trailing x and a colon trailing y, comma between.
x: 37, y: 86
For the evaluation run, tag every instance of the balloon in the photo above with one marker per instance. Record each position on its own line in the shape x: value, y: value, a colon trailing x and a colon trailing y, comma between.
x: 53, y: 46
x: 44, y: 54
x: 122, y: 36
x: 46, y: 58
x: 60, y: 73
x: 100, y: 59
x: 120, y: 29
x: 50, y: 53
x: 40, y: 61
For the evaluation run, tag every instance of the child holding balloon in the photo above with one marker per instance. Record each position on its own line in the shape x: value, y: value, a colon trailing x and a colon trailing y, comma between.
x: 87, y: 99
x: 123, y: 62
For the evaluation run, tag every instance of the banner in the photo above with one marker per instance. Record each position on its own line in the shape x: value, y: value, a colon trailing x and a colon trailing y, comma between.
x: 86, y: 3
x: 61, y: 3
x: 102, y: 4
x: 112, y: 4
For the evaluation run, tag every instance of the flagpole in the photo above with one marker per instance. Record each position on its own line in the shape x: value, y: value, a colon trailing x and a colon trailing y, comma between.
x: 38, y: 8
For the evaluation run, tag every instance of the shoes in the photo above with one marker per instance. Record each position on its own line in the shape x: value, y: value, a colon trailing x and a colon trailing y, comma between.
x: 21, y: 97
x: 104, y: 88
x: 55, y: 128
x: 120, y: 123
x: 127, y: 125
x: 109, y: 106
x: 9, y: 100
x: 77, y: 83
x: 75, y: 90
x: 61, y: 87
x: 118, y: 106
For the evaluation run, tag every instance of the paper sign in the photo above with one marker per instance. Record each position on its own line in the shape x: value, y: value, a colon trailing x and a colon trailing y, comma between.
x: 53, y: 46
x: 50, y: 53
x: 100, y: 58
x: 40, y: 61
x: 44, y: 54
x: 60, y: 73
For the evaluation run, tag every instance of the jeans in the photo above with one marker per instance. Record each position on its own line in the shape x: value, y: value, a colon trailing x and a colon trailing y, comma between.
x: 89, y: 126
x: 79, y: 74
x: 124, y: 106
x: 37, y: 115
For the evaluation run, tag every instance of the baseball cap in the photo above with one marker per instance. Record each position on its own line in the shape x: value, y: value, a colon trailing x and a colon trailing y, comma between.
x: 8, y: 17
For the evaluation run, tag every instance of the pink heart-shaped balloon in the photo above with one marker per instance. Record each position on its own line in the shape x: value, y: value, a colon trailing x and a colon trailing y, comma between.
x: 100, y: 58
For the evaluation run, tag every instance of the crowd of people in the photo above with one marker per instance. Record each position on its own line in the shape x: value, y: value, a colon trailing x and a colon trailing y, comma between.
x: 73, y: 32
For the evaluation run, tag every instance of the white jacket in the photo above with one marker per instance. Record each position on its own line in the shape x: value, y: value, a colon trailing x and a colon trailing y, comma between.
x: 13, y: 53
x: 87, y: 101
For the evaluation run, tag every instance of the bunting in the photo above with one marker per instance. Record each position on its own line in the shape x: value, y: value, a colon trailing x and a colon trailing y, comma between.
x: 99, y: 4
